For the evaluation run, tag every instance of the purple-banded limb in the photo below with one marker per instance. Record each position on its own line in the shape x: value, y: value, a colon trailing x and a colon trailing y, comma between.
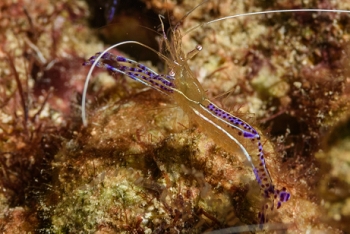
x: 188, y: 93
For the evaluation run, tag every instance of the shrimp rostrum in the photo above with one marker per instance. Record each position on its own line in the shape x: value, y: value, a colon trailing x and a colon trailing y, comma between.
x: 181, y: 84
x: 188, y: 93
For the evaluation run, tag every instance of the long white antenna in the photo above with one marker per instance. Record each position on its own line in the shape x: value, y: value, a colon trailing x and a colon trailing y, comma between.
x: 265, y: 12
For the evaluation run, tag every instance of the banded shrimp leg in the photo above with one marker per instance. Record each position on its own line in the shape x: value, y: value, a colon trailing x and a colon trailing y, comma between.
x: 201, y: 107
x: 189, y: 94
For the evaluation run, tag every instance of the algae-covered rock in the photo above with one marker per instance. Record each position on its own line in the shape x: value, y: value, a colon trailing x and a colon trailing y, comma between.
x: 141, y: 166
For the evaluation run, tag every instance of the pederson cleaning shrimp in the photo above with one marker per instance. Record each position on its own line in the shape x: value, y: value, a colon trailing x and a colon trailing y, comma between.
x: 181, y: 84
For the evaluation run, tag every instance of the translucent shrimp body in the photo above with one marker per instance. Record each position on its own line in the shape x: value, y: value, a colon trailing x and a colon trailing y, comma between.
x: 220, y: 124
x: 188, y: 93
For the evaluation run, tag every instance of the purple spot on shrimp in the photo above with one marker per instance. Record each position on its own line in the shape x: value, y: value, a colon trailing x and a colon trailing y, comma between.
x: 143, y: 67
x: 257, y: 176
x: 284, y: 196
x: 248, y: 135
x: 106, y: 56
x: 211, y: 107
x: 279, y: 204
x: 121, y: 59
x: 109, y: 67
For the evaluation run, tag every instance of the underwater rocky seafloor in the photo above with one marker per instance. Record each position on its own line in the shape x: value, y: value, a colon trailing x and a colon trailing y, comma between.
x: 140, y: 166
